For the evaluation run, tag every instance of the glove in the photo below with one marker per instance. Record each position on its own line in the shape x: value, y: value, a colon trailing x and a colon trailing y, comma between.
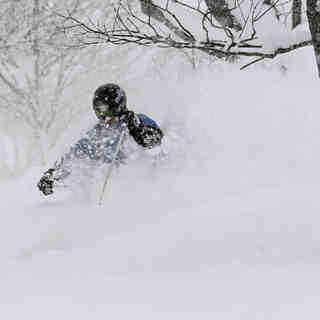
x: 45, y: 184
x: 128, y: 118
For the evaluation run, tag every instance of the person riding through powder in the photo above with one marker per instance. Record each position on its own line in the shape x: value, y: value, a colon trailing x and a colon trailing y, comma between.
x: 99, y: 144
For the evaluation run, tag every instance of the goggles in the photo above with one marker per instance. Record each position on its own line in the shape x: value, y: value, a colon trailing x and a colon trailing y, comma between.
x: 102, y: 110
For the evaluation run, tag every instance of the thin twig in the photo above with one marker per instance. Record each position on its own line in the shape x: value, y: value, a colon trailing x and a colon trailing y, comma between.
x: 251, y: 63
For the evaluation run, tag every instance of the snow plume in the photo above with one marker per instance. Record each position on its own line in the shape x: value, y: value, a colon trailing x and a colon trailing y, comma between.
x: 226, y: 226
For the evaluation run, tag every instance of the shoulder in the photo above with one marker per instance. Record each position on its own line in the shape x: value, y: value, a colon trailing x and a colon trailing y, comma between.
x: 147, y: 121
x: 93, y: 130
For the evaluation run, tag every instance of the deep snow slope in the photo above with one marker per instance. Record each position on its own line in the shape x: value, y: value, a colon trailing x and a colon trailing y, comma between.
x: 226, y: 227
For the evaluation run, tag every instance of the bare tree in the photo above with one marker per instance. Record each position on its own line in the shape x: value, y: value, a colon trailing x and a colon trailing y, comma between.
x: 226, y: 31
x: 36, y: 67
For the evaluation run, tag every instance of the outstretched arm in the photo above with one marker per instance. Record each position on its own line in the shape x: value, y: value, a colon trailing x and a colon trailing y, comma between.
x: 51, y: 176
x: 62, y: 168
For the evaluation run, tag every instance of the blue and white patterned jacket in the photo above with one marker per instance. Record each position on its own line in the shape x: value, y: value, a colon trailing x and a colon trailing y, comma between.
x: 99, y: 144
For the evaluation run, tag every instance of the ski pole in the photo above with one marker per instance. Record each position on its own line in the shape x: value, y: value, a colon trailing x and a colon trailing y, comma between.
x: 108, y: 174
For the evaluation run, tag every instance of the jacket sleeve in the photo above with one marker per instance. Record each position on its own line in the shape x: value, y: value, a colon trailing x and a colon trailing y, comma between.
x: 144, y: 130
x: 85, y: 148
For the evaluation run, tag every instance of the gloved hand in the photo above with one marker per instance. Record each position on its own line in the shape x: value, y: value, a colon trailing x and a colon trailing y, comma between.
x: 128, y: 118
x: 45, y: 184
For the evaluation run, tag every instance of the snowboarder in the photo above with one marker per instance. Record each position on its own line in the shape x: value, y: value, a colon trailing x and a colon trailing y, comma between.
x: 99, y: 144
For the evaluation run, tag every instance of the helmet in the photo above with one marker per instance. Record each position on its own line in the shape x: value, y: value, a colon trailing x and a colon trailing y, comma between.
x: 109, y: 101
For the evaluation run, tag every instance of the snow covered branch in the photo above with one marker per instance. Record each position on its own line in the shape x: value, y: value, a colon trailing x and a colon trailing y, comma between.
x: 214, y: 27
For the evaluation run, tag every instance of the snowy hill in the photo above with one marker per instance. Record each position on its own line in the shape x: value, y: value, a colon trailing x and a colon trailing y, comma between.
x: 227, y: 227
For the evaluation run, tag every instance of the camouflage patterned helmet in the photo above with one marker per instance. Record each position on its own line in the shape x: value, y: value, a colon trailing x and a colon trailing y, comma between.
x: 109, y: 101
